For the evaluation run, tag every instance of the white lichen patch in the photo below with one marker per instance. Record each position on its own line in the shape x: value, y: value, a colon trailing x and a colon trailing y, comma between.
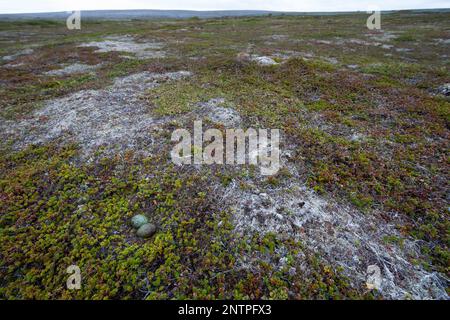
x: 383, y: 36
x: 288, y: 54
x: 277, y: 37
x: 16, y: 55
x: 403, y: 49
x: 141, y: 50
x: 323, y: 41
x: 342, y: 235
x: 357, y: 137
x: 330, y: 60
x: 219, y: 112
x: 442, y: 41
x: 443, y: 90
x: 358, y: 42
x: 73, y: 69
x: 115, y: 118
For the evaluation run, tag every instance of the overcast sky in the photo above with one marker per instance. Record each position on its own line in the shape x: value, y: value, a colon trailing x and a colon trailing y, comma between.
x: 20, y: 6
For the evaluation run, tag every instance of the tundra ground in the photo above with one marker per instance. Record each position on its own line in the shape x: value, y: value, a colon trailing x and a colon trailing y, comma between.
x: 86, y: 118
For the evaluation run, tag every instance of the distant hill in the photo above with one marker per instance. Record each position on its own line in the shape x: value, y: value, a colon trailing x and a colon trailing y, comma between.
x: 172, y: 14
x: 138, y: 14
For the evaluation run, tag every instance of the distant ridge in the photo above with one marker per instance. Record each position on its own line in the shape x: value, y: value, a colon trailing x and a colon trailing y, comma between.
x: 177, y: 14
x: 140, y: 14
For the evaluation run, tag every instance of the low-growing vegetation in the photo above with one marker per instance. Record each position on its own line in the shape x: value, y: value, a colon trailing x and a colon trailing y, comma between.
x: 362, y: 123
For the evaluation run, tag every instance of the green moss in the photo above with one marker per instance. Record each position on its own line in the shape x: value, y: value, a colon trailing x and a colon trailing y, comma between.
x: 319, y: 106
x: 56, y: 214
x: 407, y: 37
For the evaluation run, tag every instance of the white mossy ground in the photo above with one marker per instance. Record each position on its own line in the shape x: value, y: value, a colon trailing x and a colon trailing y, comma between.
x: 277, y: 37
x: 18, y: 54
x: 129, y: 45
x: 384, y: 36
x: 219, y: 112
x: 285, y: 55
x: 340, y: 234
x: 442, y: 41
x: 75, y: 68
x: 116, y: 117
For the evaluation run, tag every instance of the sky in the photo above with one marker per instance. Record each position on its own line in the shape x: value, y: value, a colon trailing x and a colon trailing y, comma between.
x: 23, y: 6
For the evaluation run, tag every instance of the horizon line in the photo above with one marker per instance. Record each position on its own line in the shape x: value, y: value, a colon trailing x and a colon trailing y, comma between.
x: 229, y: 10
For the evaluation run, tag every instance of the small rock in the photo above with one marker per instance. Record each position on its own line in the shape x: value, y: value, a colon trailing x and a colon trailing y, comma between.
x: 264, y: 61
x: 146, y: 231
x: 243, y: 56
x: 403, y: 50
x: 138, y: 221
x: 292, y: 271
x: 444, y: 89
x: 283, y: 261
x: 301, y: 204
